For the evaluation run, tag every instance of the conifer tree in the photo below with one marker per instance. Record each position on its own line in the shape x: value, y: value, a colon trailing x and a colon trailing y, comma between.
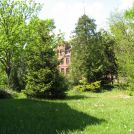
x: 43, y: 78
x: 92, y: 52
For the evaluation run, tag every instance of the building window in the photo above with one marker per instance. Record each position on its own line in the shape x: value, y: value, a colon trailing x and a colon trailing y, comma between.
x: 67, y: 60
x: 62, y: 70
x: 67, y: 52
x: 67, y: 70
x: 61, y: 53
x: 62, y: 61
x: 58, y: 52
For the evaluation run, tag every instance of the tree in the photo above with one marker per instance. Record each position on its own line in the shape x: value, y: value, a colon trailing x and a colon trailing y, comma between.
x: 130, y: 13
x: 14, y: 31
x: 92, y: 52
x: 109, y: 64
x: 123, y: 32
x: 43, y: 78
x: 82, y: 44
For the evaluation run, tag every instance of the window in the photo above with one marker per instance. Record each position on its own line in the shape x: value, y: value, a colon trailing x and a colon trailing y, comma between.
x: 62, y: 61
x: 58, y: 52
x: 62, y: 70
x: 61, y: 53
x: 67, y: 51
x: 67, y: 60
x: 67, y: 70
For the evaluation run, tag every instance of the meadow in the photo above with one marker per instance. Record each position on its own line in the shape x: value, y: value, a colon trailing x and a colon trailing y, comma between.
x: 110, y: 112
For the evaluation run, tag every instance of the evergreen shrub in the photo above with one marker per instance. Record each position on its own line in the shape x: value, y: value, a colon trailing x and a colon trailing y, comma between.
x: 85, y: 86
x: 46, y: 83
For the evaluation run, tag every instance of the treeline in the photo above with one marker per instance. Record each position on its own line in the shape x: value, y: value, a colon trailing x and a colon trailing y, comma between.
x: 28, y: 59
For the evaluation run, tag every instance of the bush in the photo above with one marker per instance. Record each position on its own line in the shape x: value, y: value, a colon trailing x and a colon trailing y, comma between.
x: 46, y: 83
x: 131, y: 93
x: 85, y: 86
x: 94, y: 86
x: 5, y: 94
x: 9, y: 93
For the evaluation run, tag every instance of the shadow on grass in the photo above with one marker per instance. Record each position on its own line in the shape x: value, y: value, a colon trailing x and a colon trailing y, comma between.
x: 41, y: 117
x: 108, y: 87
x: 77, y: 97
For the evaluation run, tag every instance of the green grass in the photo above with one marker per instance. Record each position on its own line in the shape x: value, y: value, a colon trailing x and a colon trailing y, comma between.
x: 81, y: 113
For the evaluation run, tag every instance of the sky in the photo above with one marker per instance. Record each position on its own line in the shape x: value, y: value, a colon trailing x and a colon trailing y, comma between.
x: 66, y: 13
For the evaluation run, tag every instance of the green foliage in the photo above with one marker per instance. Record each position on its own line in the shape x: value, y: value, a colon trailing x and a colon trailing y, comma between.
x: 82, y: 44
x: 43, y: 78
x: 45, y: 83
x: 8, y: 93
x: 131, y: 93
x: 85, y: 86
x: 17, y: 76
x: 4, y: 94
x: 94, y: 86
x: 3, y: 78
x: 92, y: 53
x: 122, y: 28
x: 130, y: 13
x: 14, y: 33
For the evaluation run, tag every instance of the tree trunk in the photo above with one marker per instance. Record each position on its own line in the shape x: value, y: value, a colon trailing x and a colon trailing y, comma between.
x: 8, y: 72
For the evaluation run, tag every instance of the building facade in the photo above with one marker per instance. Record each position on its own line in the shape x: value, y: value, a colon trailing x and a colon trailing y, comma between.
x: 64, y: 57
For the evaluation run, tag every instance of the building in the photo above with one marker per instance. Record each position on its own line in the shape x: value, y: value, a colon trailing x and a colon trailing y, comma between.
x: 64, y: 57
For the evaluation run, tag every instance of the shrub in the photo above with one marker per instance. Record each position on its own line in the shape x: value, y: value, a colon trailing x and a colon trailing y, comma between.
x: 94, y: 86
x: 80, y: 88
x: 9, y: 93
x: 85, y: 86
x: 131, y: 93
x: 5, y: 94
x: 45, y: 83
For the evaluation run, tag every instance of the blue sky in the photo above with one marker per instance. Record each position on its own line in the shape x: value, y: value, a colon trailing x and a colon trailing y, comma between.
x: 66, y: 12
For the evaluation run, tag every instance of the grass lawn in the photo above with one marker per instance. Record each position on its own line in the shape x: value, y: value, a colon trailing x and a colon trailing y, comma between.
x: 81, y: 113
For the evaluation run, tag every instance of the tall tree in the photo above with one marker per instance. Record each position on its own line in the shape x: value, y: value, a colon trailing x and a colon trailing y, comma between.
x: 14, y: 31
x: 109, y: 61
x: 92, y: 52
x: 82, y: 44
x: 43, y: 78
x: 122, y: 29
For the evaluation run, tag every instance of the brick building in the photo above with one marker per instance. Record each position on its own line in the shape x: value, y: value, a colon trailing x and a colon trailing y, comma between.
x: 64, y: 56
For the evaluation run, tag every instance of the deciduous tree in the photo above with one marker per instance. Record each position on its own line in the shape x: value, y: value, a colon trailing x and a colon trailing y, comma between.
x: 14, y: 30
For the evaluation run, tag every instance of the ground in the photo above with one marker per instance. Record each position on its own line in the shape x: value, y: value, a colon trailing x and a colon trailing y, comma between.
x: 81, y: 113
